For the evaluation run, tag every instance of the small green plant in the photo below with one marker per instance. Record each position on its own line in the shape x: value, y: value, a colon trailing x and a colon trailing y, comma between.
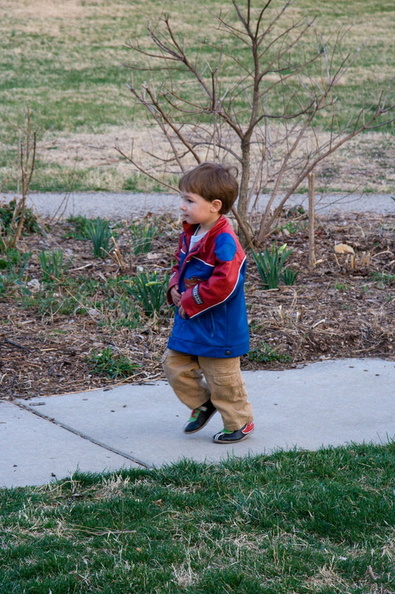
x: 289, y: 276
x: 149, y: 291
x: 116, y: 305
x: 13, y: 265
x: 384, y: 278
x: 99, y: 232
x: 292, y: 227
x: 30, y: 221
x: 79, y: 228
x: 341, y: 286
x: 11, y: 216
x: 142, y: 236
x: 120, y: 314
x: 267, y: 354
x: 270, y: 264
x: 111, y: 365
x: 14, y: 260
x: 53, y: 266
x: 50, y: 305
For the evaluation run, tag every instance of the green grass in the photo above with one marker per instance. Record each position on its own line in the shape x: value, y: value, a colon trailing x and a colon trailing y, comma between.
x: 68, y: 65
x: 293, y: 522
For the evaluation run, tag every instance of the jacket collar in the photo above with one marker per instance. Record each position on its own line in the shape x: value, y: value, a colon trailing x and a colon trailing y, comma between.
x: 190, y: 229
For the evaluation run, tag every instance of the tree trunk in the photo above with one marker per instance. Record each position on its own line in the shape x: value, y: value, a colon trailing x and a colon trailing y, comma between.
x: 243, y: 202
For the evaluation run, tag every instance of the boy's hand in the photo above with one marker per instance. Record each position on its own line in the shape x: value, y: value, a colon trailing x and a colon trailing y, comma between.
x: 176, y: 298
x: 182, y: 312
x: 175, y: 295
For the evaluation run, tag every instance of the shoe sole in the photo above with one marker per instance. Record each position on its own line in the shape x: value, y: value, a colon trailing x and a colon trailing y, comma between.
x: 201, y: 426
x: 230, y: 441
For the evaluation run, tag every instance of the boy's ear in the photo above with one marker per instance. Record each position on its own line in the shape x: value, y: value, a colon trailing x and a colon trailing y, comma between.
x: 216, y: 205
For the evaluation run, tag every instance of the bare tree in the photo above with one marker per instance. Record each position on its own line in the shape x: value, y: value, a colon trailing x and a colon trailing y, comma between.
x: 252, y: 96
x: 26, y: 163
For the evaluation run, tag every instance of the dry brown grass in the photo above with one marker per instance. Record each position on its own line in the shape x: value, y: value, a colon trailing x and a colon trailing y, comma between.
x: 365, y: 164
x: 82, y: 34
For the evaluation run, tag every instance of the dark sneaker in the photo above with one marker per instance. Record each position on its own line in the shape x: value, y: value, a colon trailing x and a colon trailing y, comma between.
x: 225, y: 436
x: 200, y: 417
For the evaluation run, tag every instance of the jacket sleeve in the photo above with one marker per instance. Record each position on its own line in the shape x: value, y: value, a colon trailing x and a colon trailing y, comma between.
x: 226, y: 275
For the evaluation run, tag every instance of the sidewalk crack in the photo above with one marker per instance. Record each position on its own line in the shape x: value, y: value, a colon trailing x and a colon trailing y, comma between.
x: 82, y: 435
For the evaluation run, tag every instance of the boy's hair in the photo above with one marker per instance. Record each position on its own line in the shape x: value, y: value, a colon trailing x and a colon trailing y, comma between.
x: 212, y: 181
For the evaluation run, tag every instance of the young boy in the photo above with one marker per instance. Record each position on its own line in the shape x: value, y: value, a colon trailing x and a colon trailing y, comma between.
x: 210, y: 331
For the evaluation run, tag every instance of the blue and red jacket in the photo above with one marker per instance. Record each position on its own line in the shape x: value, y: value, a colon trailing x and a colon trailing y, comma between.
x: 211, y: 280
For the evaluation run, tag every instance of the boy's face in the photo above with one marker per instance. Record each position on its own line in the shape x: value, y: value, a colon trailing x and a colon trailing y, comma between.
x: 198, y: 211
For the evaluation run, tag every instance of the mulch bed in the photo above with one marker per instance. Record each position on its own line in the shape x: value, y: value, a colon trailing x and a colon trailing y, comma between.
x: 336, y: 310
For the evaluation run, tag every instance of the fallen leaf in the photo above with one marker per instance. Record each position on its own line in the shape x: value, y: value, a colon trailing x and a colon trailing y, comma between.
x: 343, y: 248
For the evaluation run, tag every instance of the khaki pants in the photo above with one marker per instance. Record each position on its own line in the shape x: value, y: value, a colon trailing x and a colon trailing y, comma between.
x: 198, y: 379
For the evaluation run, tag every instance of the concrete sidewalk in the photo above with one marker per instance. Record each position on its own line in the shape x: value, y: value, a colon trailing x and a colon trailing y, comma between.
x: 131, y: 426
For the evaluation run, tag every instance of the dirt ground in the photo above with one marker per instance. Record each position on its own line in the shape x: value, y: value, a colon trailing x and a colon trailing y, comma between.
x: 344, y: 307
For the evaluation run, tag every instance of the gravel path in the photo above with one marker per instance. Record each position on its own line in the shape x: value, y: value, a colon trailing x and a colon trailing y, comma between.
x: 123, y: 205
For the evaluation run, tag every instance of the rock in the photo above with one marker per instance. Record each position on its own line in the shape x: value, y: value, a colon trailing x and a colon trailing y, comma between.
x: 34, y: 285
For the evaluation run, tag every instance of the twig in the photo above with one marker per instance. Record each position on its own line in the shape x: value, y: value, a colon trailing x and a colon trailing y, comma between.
x: 19, y: 346
x: 312, y: 258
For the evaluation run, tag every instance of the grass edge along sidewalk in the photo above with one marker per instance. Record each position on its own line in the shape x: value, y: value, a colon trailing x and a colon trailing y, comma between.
x: 294, y: 521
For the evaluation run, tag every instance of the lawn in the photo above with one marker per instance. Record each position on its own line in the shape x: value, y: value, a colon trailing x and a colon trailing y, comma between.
x: 67, y: 61
x: 292, y: 522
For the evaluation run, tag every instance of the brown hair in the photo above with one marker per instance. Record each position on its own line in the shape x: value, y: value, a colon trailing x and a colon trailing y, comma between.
x: 212, y: 181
